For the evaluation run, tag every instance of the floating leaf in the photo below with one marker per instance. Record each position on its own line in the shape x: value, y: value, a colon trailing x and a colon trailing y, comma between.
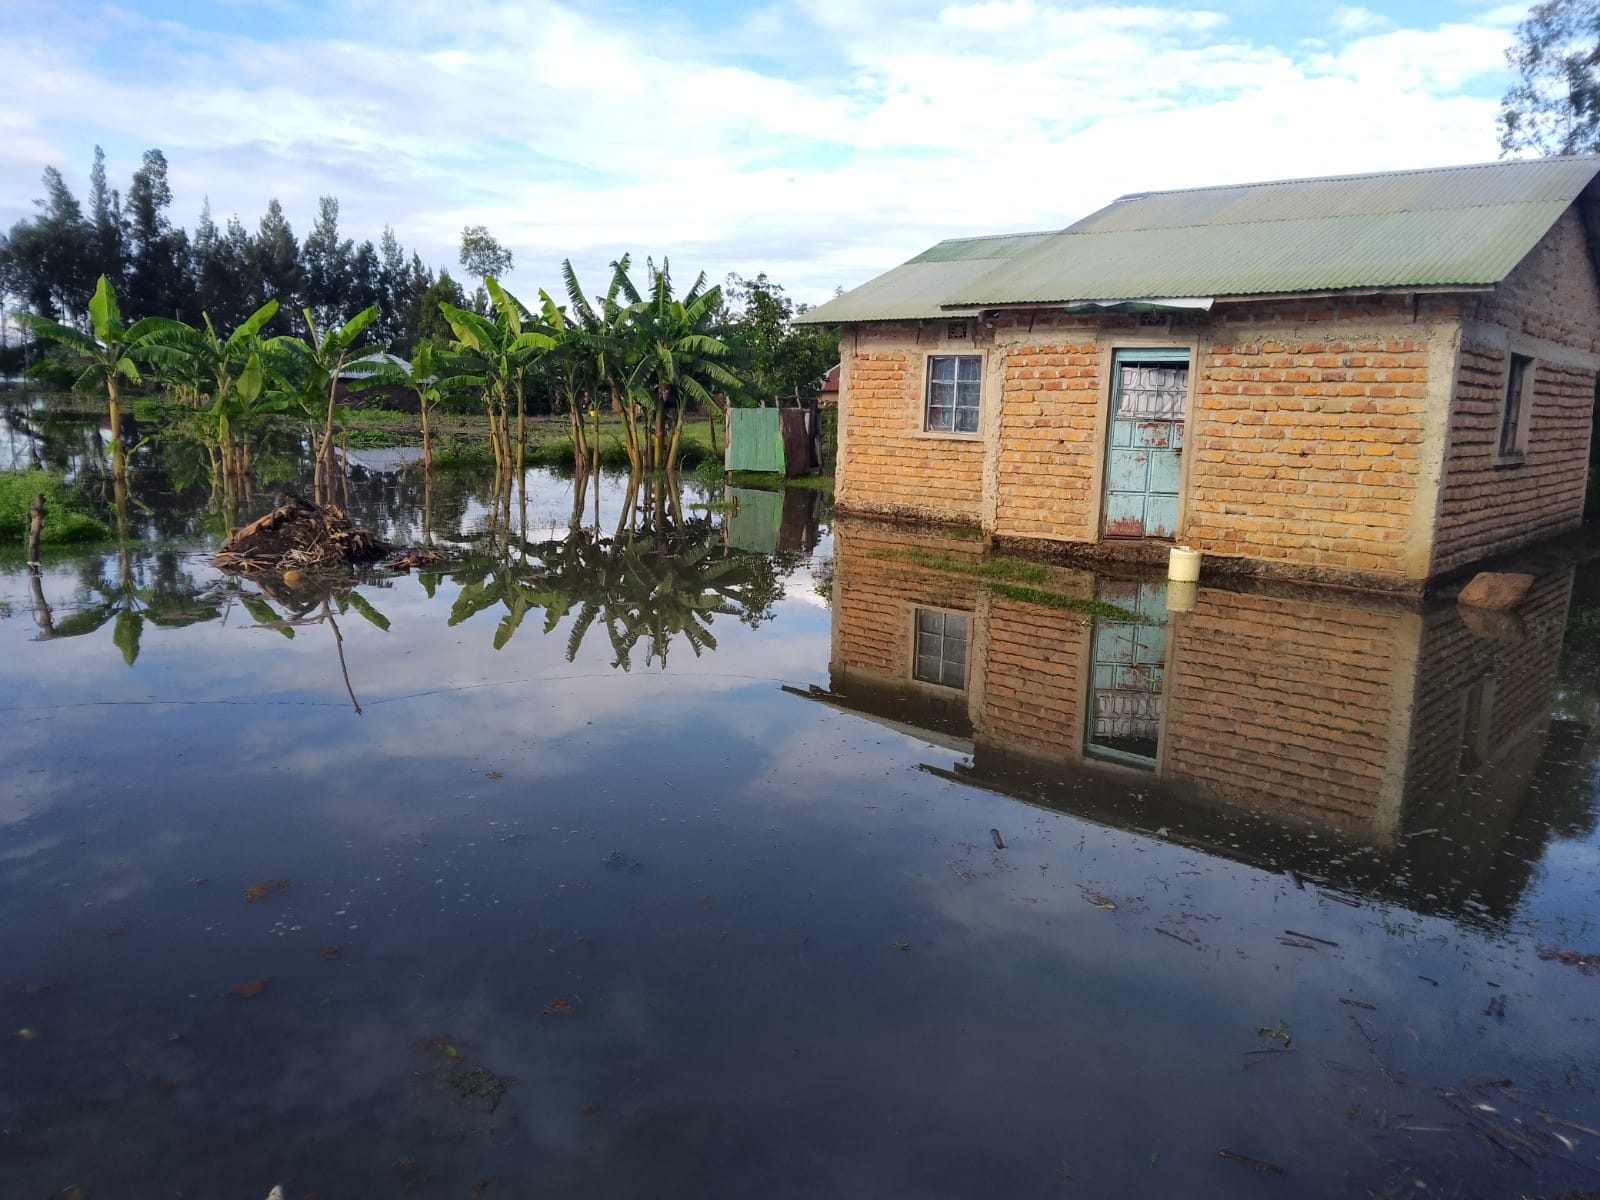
x: 559, y: 1008
x: 329, y: 953
x: 249, y: 991
x: 260, y: 891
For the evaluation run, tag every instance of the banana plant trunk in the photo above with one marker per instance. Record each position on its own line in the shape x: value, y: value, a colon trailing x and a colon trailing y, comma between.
x: 119, y: 461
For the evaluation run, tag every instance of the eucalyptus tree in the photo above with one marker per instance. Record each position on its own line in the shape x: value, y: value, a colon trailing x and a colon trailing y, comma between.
x: 310, y: 370
x: 109, y: 354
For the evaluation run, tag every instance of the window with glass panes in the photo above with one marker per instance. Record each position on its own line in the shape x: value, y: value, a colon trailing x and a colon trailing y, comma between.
x: 941, y: 650
x: 954, y: 381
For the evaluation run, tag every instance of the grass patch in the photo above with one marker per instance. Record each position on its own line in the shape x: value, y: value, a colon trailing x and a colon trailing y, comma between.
x: 1004, y: 569
x: 773, y: 482
x: 65, y: 522
x: 452, y: 452
x: 1089, y: 608
x: 378, y: 439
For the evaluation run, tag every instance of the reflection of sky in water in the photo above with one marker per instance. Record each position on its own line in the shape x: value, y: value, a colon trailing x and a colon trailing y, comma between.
x: 718, y: 877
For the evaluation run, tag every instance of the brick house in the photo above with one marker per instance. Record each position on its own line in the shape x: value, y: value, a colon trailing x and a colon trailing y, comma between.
x: 1370, y: 380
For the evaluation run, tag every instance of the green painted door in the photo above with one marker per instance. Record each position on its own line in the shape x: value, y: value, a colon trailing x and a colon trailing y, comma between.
x: 1149, y: 389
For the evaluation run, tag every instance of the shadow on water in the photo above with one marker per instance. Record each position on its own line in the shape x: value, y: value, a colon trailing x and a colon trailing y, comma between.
x: 670, y: 841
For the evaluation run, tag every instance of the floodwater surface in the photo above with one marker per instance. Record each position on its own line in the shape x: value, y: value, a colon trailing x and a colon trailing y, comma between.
x: 671, y: 844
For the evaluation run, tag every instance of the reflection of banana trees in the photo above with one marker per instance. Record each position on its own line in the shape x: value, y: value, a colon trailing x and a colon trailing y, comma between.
x: 139, y: 590
x: 651, y: 586
x: 306, y: 604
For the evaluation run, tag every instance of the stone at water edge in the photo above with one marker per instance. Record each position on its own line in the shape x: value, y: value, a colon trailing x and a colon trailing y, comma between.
x: 1495, y: 589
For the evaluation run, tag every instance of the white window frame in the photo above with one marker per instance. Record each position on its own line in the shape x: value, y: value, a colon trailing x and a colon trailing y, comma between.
x: 1519, y: 377
x: 955, y: 406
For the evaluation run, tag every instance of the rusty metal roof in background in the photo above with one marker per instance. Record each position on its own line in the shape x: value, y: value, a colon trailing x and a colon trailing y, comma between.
x: 1448, y: 226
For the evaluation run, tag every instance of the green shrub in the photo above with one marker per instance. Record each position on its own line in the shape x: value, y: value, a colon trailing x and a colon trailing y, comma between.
x: 64, y: 518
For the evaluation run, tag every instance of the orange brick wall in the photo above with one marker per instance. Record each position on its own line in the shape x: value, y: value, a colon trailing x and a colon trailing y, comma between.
x: 1552, y: 293
x: 888, y: 464
x: 1549, y: 304
x: 1307, y: 440
x: 1049, y: 430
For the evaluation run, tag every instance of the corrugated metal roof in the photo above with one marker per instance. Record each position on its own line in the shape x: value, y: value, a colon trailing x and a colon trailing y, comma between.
x: 1461, y: 226
x: 917, y: 288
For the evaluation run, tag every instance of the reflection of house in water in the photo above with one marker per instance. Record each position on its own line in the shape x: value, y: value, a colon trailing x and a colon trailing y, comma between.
x: 1377, y: 745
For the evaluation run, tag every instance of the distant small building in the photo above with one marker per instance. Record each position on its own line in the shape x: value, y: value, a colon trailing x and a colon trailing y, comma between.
x: 1371, y: 380
x: 399, y: 398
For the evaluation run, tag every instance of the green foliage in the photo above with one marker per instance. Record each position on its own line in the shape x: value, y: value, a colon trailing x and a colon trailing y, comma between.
x: 778, y: 360
x: 1554, y: 106
x: 482, y: 257
x: 65, y: 520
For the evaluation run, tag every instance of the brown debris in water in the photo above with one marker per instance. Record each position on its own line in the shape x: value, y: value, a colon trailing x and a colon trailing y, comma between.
x: 298, y: 536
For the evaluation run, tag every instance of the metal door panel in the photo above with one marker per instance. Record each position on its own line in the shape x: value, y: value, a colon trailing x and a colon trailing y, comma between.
x: 1145, y: 443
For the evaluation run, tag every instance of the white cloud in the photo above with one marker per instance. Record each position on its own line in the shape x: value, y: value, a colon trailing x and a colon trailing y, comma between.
x: 1350, y: 19
x: 820, y: 140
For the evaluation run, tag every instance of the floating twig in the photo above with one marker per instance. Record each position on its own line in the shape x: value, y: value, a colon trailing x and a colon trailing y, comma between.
x: 1259, y: 1166
x: 1311, y: 938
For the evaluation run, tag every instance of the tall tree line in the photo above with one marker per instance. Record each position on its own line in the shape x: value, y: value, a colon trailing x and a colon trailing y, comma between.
x: 50, y: 262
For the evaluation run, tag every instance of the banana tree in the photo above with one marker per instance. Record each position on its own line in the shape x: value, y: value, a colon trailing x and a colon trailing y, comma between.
x: 221, y: 365
x: 310, y: 371
x: 109, y: 354
x: 675, y: 358
x: 496, y: 355
x: 594, y: 348
x: 236, y: 410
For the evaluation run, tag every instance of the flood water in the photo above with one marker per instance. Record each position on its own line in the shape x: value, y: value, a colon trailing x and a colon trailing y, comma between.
x: 689, y: 850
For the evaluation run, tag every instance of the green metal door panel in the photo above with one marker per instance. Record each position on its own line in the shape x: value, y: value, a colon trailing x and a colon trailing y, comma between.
x: 1160, y: 516
x: 1125, y: 514
x: 1164, y: 468
x: 755, y: 521
x: 755, y: 440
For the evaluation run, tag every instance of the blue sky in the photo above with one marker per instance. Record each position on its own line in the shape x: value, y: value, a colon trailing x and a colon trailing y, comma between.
x: 821, y: 141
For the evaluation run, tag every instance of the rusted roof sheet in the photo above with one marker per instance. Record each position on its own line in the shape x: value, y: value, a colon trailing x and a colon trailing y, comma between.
x: 1441, y: 227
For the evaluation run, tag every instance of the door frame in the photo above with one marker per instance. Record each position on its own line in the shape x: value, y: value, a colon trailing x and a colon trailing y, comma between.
x: 1110, y: 348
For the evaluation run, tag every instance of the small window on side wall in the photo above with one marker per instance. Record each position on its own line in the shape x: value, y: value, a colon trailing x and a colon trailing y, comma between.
x: 1514, y: 409
x: 954, y: 384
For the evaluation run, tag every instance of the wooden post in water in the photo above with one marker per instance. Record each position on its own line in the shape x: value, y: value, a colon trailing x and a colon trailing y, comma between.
x: 35, y: 528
